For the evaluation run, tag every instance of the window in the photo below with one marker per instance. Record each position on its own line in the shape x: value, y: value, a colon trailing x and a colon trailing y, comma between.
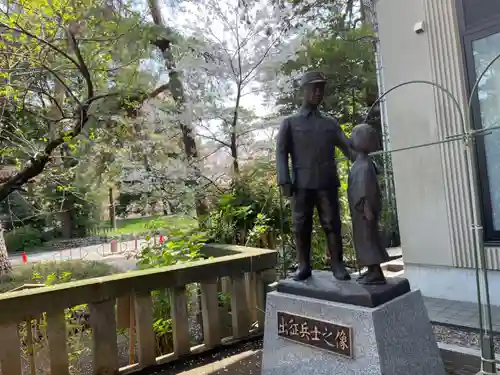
x: 481, y: 43
x: 487, y: 110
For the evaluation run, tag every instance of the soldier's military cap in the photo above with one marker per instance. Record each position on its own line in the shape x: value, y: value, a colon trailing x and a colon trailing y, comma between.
x: 312, y: 77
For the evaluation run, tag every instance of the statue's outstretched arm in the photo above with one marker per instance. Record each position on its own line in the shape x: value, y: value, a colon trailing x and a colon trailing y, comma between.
x: 344, y: 144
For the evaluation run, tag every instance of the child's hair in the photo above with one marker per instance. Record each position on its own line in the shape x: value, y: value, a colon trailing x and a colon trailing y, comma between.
x: 364, y: 138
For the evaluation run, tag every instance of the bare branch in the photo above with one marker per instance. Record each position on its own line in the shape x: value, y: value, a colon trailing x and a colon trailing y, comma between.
x: 262, y: 58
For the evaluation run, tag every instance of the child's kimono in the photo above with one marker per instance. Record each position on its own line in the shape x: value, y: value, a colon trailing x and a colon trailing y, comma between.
x: 363, y: 185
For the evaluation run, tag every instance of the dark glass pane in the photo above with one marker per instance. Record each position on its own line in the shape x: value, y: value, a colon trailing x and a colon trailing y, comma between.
x: 484, y: 51
x: 478, y: 11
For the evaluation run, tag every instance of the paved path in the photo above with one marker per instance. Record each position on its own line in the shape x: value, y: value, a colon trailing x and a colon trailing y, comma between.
x: 457, y: 313
x: 100, y: 252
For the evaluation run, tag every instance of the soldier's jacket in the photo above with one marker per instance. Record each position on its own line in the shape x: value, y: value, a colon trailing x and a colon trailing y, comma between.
x: 310, y: 138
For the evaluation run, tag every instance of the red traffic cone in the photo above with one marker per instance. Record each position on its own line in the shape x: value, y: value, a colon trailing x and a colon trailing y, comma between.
x: 161, y: 238
x: 25, y: 257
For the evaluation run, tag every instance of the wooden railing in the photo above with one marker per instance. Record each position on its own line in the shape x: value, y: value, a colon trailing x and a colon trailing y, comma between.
x: 125, y: 300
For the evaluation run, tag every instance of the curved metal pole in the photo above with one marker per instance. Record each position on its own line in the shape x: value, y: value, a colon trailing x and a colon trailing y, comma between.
x: 430, y: 83
x: 476, y: 84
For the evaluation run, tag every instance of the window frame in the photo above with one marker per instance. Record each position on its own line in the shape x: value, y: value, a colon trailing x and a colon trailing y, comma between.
x: 468, y: 35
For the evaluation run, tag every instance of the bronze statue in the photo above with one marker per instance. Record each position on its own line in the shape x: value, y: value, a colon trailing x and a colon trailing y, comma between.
x: 365, y: 203
x: 310, y: 138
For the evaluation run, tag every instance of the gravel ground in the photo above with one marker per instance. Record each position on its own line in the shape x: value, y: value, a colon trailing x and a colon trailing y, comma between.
x: 468, y: 339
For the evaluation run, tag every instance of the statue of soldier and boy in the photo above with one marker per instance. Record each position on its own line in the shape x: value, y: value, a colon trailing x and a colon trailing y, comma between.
x: 309, y: 138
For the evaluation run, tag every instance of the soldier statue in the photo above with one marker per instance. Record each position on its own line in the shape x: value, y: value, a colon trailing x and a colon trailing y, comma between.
x: 310, y: 138
x: 365, y: 203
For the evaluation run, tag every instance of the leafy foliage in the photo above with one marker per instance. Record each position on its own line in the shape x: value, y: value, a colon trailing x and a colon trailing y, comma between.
x: 76, y: 317
x: 97, y: 97
x: 24, y: 238
x: 347, y: 60
x: 180, y: 247
x: 72, y: 80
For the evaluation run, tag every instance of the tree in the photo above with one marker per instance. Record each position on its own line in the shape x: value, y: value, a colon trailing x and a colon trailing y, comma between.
x: 156, y: 167
x: 69, y: 79
x: 341, y: 46
x: 347, y: 59
x: 86, y: 71
x: 177, y: 91
x: 224, y: 67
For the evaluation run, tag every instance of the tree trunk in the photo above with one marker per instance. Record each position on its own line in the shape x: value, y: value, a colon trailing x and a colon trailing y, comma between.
x: 234, y: 145
x: 112, y: 212
x: 362, y: 12
x: 59, y: 158
x: 167, y: 207
x: 177, y: 91
x: 66, y: 221
x: 5, y: 266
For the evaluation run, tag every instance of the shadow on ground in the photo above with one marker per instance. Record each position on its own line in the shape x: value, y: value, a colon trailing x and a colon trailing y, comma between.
x: 246, y: 363
x: 240, y: 359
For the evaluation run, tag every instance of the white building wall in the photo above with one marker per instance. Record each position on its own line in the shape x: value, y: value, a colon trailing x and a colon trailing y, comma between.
x: 431, y: 183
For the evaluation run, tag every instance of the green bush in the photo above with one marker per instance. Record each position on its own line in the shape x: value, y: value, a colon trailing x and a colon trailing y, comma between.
x: 53, y: 273
x: 182, y: 246
x: 251, y: 213
x: 24, y: 238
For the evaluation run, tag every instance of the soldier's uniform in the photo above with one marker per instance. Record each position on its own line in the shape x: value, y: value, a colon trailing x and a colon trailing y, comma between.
x: 310, y: 138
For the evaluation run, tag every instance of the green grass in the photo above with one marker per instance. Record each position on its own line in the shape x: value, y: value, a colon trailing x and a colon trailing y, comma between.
x: 146, y: 224
x: 79, y: 269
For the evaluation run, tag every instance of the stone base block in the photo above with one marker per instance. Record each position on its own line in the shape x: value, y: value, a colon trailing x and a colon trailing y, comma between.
x: 394, y: 338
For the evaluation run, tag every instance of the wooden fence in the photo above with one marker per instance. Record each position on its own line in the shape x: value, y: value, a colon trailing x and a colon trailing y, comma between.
x: 244, y: 272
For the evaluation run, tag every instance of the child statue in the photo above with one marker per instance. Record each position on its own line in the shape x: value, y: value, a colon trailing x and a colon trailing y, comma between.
x: 365, y: 204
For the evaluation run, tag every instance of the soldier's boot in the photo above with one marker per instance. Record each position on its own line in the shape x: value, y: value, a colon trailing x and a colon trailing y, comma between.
x: 374, y: 276
x: 334, y: 243
x: 303, y: 246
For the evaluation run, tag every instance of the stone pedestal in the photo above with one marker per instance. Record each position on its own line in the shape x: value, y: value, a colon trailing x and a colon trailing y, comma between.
x: 386, y: 327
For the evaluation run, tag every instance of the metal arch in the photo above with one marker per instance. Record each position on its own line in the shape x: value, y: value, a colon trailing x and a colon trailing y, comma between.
x: 470, y: 177
x: 430, y: 83
x: 467, y: 136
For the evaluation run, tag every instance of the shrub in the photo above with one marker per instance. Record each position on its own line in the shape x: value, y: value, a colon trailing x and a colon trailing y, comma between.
x: 54, y: 272
x: 251, y: 213
x: 182, y: 246
x: 23, y: 238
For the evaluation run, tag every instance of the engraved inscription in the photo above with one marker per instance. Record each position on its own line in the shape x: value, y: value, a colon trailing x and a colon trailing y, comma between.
x: 318, y: 333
